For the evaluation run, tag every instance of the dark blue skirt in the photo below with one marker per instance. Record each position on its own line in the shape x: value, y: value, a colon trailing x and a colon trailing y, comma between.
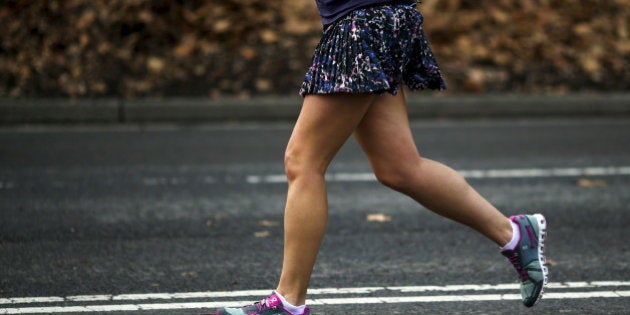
x: 373, y: 50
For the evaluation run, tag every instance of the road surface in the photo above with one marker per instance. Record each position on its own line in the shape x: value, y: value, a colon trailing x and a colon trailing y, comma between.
x: 162, y: 219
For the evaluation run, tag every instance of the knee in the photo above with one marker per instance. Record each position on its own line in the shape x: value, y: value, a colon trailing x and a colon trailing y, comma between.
x: 399, y: 176
x: 291, y: 165
x: 297, y: 166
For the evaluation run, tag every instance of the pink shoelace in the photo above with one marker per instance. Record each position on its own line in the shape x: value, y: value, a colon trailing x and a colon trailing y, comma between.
x: 266, y: 303
x: 521, y: 272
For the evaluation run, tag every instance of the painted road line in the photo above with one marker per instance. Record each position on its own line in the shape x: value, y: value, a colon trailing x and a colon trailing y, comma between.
x: 311, y: 292
x: 190, y: 295
x: 510, y: 286
x: 551, y: 172
x: 325, y: 301
x: 28, y: 300
x: 6, y: 185
x: 465, y: 298
x: 477, y: 174
x: 164, y: 181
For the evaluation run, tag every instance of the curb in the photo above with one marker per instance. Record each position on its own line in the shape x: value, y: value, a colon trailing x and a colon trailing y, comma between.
x: 198, y: 110
x: 526, y: 106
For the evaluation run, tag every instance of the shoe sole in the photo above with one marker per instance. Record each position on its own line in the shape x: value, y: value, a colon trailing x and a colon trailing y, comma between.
x: 542, y: 235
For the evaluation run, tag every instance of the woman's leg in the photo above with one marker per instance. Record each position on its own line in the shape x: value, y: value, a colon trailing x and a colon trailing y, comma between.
x: 386, y: 138
x: 324, y: 125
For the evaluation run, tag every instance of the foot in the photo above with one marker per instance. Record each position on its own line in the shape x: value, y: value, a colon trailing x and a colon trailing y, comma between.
x: 268, y: 306
x: 527, y: 257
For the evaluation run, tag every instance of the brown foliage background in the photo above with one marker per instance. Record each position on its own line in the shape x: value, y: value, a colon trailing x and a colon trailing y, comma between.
x: 134, y: 48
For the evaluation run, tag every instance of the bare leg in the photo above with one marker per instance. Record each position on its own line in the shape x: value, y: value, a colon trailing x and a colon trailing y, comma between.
x: 386, y: 138
x: 324, y: 125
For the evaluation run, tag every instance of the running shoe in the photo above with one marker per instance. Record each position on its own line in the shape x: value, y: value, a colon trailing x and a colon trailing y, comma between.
x: 528, y: 258
x: 268, y: 306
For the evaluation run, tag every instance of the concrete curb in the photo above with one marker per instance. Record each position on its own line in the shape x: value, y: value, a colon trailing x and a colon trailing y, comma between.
x: 198, y: 110
x: 513, y: 105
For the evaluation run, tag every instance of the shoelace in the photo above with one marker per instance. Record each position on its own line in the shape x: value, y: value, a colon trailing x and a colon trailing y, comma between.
x: 263, y: 304
x: 517, y: 264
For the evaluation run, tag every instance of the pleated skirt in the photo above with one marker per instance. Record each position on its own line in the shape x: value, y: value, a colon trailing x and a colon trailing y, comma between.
x: 373, y: 50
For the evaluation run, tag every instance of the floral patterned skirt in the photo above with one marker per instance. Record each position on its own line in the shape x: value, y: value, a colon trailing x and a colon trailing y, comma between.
x: 373, y: 50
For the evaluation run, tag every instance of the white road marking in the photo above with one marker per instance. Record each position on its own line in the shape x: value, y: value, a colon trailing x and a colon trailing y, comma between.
x: 6, y: 185
x: 27, y: 300
x: 465, y: 298
x: 209, y: 180
x: 325, y: 301
x: 477, y: 174
x: 510, y: 286
x: 156, y: 181
x: 164, y: 181
x: 255, y: 294
x: 321, y: 291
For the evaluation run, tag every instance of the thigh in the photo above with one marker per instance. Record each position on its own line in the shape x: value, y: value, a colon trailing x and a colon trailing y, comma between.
x: 324, y: 124
x: 385, y: 135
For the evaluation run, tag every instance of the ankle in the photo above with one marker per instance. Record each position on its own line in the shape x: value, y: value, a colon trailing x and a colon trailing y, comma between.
x: 292, y: 298
x: 507, y: 233
x: 514, y: 236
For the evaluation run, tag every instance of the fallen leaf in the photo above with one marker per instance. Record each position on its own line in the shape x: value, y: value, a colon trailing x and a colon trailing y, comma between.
x: 155, y: 64
x: 378, y: 217
x: 188, y: 274
x: 267, y: 223
x: 263, y: 85
x: 248, y: 53
x: 585, y: 182
x: 185, y: 47
x: 221, y: 26
x: 269, y: 36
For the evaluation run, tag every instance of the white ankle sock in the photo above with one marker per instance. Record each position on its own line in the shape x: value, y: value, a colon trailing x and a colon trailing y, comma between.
x: 295, y: 310
x: 516, y: 236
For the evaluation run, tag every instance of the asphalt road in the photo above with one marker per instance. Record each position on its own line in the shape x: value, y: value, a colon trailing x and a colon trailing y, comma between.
x: 100, y: 212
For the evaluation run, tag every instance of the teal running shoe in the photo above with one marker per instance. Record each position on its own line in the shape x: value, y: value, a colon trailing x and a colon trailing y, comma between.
x: 528, y: 257
x: 268, y: 306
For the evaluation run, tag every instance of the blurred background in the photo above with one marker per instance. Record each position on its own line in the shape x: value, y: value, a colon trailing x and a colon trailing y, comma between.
x: 248, y: 48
